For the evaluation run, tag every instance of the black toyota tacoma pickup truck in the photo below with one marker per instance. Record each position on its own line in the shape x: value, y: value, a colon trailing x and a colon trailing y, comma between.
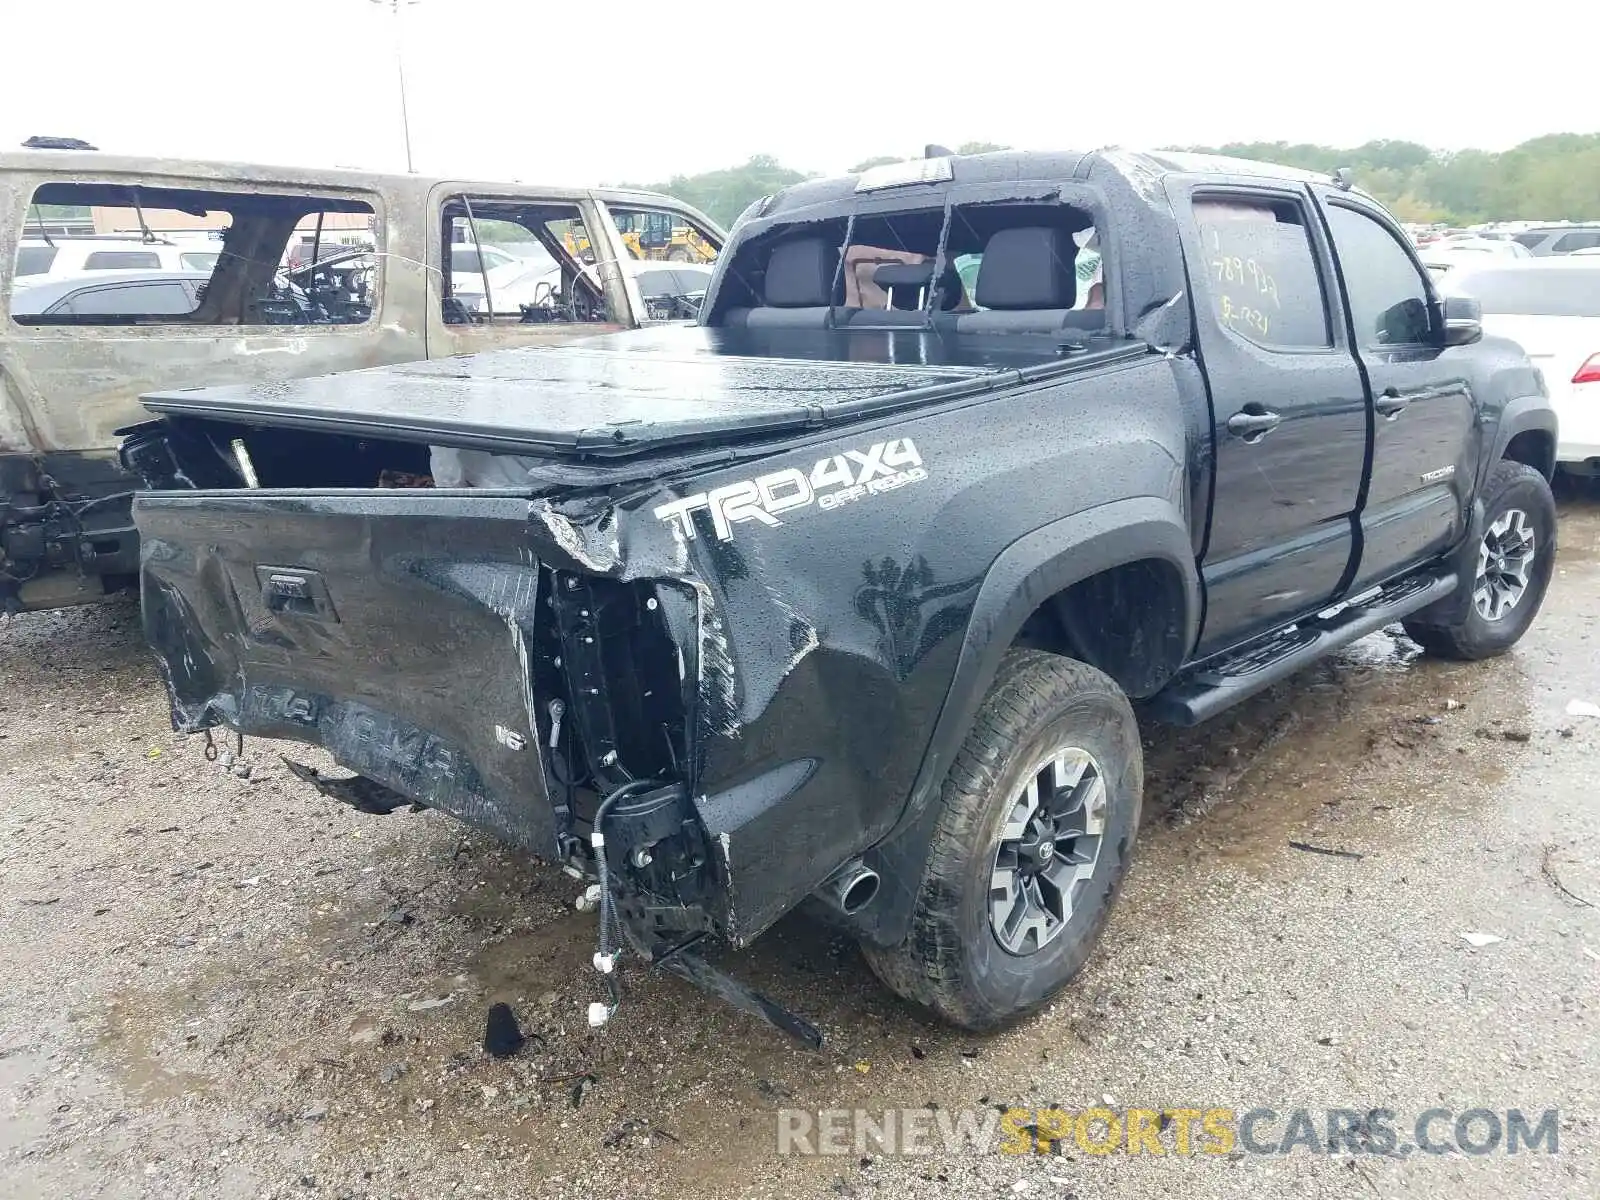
x: 847, y: 594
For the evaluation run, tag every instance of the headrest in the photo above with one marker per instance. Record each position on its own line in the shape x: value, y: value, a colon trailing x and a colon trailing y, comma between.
x: 800, y: 274
x: 1029, y: 267
x: 915, y: 276
x: 890, y: 275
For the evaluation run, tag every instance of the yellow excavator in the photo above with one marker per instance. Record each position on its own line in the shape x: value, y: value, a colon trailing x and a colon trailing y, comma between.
x: 648, y: 236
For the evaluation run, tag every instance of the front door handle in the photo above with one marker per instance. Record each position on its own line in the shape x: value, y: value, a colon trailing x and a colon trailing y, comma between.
x: 1252, y: 426
x: 1391, y: 404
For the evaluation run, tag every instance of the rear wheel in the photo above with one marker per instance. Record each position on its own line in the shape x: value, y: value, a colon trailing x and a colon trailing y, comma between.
x: 1516, y: 556
x: 1040, y: 809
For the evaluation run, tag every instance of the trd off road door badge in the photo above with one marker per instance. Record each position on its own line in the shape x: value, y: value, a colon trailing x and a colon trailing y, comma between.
x: 836, y: 480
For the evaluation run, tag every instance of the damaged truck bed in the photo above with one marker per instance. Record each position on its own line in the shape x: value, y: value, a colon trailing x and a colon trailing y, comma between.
x: 446, y: 641
x: 842, y: 595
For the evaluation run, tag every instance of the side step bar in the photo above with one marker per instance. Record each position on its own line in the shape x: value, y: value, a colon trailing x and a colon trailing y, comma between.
x: 1219, y: 683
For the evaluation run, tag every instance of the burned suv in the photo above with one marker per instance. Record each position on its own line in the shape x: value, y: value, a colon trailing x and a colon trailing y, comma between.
x: 844, y: 594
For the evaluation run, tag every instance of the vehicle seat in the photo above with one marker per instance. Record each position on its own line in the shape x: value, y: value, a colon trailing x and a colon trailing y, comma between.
x: 797, y: 289
x: 1026, y: 283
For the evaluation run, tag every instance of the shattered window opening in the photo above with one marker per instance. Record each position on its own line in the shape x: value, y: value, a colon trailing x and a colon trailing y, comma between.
x: 232, y: 253
x: 672, y: 240
x: 895, y: 265
x: 534, y: 263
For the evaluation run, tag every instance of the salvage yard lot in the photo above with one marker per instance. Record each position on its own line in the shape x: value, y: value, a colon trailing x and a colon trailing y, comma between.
x: 229, y: 986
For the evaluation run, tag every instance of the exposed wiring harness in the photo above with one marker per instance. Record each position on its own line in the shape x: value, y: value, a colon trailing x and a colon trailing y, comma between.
x: 605, y: 959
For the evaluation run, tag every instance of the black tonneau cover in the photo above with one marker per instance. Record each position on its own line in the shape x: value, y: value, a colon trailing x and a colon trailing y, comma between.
x: 626, y: 394
x: 569, y: 399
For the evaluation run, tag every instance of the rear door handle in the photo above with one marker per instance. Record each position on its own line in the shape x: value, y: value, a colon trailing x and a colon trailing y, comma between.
x: 1391, y: 404
x: 1253, y: 426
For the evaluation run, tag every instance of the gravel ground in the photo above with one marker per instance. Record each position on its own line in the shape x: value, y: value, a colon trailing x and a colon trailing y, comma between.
x: 220, y: 986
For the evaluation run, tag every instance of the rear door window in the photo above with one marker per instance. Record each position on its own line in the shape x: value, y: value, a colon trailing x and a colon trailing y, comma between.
x: 1261, y: 271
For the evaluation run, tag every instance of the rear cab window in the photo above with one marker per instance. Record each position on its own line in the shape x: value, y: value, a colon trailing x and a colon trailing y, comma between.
x: 214, y: 257
x: 1001, y: 266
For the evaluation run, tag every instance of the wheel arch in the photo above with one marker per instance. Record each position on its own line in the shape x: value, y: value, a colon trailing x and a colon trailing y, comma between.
x: 1145, y: 536
x: 1526, y: 434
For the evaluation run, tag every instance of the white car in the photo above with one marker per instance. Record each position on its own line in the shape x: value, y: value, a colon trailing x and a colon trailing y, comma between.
x: 66, y: 257
x: 98, y: 294
x: 1551, y: 305
x: 468, y: 262
x: 1454, y: 254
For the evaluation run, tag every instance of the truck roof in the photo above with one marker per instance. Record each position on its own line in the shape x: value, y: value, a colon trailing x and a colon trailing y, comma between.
x: 1019, y: 166
x: 97, y: 166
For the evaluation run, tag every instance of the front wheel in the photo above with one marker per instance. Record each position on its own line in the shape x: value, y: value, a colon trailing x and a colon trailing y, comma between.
x: 1040, y: 809
x: 1515, y: 559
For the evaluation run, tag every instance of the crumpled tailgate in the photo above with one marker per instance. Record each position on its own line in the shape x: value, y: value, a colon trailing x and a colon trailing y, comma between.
x: 395, y: 631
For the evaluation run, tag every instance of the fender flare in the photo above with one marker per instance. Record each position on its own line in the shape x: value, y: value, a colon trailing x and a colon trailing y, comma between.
x: 1522, y: 414
x: 1026, y: 574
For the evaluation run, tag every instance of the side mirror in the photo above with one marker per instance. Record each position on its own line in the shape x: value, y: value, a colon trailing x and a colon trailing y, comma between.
x: 1463, y: 320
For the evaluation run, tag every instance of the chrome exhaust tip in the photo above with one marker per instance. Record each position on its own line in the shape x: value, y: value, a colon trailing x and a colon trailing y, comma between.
x: 850, y: 889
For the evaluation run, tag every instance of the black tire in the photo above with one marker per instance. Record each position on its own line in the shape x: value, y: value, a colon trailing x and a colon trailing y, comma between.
x: 1511, y: 487
x: 953, y: 962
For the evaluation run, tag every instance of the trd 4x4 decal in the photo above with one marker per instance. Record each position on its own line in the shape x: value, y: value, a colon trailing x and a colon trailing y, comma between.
x: 835, y: 480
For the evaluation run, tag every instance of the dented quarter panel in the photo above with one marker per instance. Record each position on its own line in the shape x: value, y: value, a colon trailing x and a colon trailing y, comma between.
x: 831, y: 640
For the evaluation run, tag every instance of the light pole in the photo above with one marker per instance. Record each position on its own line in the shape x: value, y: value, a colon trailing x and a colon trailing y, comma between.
x: 400, y: 69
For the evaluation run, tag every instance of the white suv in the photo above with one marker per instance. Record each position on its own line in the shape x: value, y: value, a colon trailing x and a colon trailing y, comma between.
x: 39, y: 259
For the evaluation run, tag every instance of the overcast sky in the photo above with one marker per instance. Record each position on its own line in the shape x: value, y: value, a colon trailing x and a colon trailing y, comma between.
x: 524, y: 89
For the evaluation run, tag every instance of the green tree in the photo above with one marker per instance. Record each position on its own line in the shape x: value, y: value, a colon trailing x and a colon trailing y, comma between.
x: 724, y: 194
x: 1555, y: 177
